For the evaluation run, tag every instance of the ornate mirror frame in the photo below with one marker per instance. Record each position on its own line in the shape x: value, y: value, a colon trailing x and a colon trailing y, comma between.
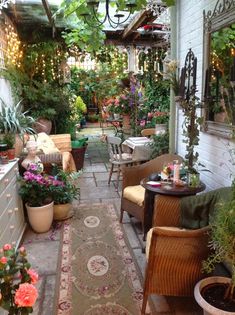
x: 222, y: 15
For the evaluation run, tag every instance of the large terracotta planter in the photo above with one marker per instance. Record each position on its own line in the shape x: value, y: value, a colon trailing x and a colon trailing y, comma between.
x: 43, y: 125
x: 62, y: 211
x: 78, y: 156
x: 208, y: 309
x: 40, y: 218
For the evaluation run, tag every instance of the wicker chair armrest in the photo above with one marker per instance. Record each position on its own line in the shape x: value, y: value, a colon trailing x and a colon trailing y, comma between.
x: 169, y: 231
x: 133, y: 175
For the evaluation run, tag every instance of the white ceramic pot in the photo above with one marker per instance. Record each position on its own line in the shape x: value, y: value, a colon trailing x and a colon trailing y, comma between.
x: 40, y: 218
x: 62, y: 211
x: 208, y: 308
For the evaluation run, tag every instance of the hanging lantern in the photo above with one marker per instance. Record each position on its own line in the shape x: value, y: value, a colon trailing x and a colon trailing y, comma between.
x: 65, y: 72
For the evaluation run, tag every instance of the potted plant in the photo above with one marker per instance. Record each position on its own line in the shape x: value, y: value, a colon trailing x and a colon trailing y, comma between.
x: 44, y: 117
x: 63, y: 193
x: 36, y: 191
x: 81, y: 109
x: 9, y: 139
x: 216, y: 295
x: 17, y: 279
x: 79, y: 147
x: 13, y: 122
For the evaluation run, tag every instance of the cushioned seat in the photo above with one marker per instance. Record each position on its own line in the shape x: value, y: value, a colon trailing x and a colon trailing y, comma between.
x: 135, y: 194
x: 133, y: 200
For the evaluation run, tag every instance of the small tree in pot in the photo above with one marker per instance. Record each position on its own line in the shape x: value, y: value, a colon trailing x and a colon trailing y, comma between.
x: 223, y: 246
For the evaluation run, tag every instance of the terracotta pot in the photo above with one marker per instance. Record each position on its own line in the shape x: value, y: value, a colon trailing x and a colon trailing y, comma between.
x: 43, y: 125
x: 11, y: 154
x: 40, y: 218
x: 62, y: 211
x: 208, y: 309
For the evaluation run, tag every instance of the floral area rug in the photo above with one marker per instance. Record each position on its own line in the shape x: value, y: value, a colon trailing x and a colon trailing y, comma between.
x: 98, y: 273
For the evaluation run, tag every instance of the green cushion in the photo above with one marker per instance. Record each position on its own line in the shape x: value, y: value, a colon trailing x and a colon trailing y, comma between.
x: 195, y: 211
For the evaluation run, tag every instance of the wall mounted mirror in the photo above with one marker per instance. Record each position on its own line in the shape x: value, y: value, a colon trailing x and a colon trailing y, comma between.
x: 219, y: 68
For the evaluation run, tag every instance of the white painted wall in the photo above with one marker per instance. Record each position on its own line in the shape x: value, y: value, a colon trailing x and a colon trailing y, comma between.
x: 212, y: 151
x: 5, y: 91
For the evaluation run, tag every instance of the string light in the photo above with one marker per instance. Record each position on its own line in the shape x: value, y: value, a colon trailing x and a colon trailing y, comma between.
x: 14, y: 53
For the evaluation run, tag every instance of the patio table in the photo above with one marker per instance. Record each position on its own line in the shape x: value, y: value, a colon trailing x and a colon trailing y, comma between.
x: 139, y: 146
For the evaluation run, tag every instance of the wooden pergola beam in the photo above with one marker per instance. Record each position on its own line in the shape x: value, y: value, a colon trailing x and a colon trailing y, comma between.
x: 49, y: 16
x: 140, y: 18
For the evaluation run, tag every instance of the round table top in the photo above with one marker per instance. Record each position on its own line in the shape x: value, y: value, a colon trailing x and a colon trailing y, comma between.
x: 171, y: 189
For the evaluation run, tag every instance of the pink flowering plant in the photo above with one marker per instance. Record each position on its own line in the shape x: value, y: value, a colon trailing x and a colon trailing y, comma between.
x: 36, y: 187
x: 17, y: 291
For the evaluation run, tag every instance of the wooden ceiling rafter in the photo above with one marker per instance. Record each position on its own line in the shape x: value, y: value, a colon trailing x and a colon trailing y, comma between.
x: 143, y: 17
x: 49, y: 16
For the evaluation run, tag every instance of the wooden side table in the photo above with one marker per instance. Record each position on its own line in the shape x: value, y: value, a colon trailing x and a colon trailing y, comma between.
x: 165, y: 190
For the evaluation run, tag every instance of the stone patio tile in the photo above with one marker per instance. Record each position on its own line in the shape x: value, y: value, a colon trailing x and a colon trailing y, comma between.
x: 103, y: 183
x: 97, y: 193
x: 99, y: 167
x: 40, y: 287
x: 43, y: 256
x: 141, y: 259
x: 90, y: 201
x: 97, y: 159
x: 131, y: 236
x: 136, y: 225
x: 87, y: 181
x: 102, y: 176
x: 50, y: 289
x: 87, y: 174
x: 54, y: 234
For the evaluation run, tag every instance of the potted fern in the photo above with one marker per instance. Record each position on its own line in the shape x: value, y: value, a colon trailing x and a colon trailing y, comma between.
x: 223, y: 246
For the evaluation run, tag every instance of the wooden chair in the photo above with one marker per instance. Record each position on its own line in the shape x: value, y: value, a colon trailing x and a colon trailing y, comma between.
x: 117, y: 157
x: 148, y: 132
x: 133, y: 193
x: 174, y: 255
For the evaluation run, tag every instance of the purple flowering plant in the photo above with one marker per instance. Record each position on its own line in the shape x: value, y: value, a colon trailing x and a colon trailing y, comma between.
x: 36, y: 187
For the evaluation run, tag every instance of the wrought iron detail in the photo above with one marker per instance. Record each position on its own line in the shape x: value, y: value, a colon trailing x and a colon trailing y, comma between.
x: 221, y: 7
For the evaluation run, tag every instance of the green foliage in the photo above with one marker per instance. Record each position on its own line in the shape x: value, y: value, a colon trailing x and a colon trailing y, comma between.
x: 37, y: 83
x: 66, y: 190
x: 191, y: 129
x: 80, y: 105
x: 159, y: 144
x: 9, y: 139
x: 94, y: 86
x: 223, y: 240
x: 13, y: 120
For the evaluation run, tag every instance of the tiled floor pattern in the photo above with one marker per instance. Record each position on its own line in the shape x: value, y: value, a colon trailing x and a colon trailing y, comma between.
x: 44, y: 249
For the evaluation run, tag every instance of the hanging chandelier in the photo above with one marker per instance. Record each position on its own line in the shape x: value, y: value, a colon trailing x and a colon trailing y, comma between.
x: 114, y: 21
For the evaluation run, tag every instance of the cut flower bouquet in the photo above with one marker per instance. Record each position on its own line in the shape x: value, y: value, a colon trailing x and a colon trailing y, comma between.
x: 17, y: 291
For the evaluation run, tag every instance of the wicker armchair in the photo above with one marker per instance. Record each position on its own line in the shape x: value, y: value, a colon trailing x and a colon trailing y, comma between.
x: 174, y: 255
x: 131, y: 183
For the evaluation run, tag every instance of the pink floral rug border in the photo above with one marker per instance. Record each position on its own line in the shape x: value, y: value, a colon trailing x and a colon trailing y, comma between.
x: 65, y: 290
